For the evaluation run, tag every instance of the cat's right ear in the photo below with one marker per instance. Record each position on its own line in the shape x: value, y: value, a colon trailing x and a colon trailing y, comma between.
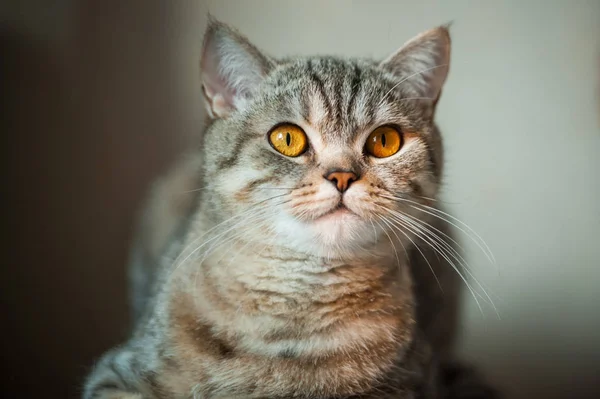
x: 422, y: 63
x: 231, y: 69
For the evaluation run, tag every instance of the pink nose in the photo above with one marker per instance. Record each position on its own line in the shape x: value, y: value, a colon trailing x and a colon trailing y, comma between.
x: 342, y: 179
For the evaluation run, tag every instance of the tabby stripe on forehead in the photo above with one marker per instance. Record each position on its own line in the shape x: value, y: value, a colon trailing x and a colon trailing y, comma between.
x: 354, y: 89
x: 337, y: 91
x: 305, y: 109
x: 320, y: 87
x: 367, y: 109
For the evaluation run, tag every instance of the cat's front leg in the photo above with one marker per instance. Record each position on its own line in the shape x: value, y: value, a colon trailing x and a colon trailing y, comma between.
x: 116, y: 376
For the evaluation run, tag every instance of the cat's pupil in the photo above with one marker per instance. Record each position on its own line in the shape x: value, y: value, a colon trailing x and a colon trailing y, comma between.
x: 383, y: 140
x: 288, y: 138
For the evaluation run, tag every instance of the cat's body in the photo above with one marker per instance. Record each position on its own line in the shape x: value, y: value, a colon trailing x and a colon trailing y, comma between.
x: 251, y: 282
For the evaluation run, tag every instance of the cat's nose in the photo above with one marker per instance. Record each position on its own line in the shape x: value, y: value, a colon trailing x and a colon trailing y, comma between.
x: 341, y: 179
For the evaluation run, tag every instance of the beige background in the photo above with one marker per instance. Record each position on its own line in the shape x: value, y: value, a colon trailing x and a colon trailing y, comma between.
x: 99, y: 98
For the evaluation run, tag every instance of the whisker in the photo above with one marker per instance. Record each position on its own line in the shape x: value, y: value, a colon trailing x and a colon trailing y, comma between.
x: 437, y: 248
x: 391, y: 241
x: 465, y: 264
x: 255, y: 225
x: 193, y: 191
x: 446, y: 257
x: 430, y: 226
x: 434, y: 241
x: 193, y: 242
x: 244, y: 213
x: 487, y: 251
x: 374, y: 230
x: 197, y: 189
x: 256, y: 188
x: 480, y: 242
x: 222, y: 239
x: 416, y: 98
x: 436, y: 200
x: 422, y: 254
x: 449, y: 250
x: 256, y: 216
x: 238, y: 230
x: 276, y: 188
x: 216, y: 237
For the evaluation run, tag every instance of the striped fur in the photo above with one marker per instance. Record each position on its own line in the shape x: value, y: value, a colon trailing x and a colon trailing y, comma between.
x: 244, y: 287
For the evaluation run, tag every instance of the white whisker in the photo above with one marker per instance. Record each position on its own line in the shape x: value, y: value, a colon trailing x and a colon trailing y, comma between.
x: 469, y: 232
x: 421, y: 252
x: 446, y: 257
x: 391, y: 242
x: 436, y: 240
x: 254, y: 208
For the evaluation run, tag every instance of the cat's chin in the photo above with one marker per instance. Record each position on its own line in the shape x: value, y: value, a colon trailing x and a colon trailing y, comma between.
x: 337, y: 233
x: 336, y: 215
x: 341, y: 229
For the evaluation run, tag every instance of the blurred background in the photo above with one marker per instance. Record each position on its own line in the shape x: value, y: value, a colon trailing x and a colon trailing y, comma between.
x: 99, y: 97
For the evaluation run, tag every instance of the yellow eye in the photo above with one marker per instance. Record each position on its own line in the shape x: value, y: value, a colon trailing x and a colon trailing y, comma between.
x: 289, y: 140
x: 383, y: 142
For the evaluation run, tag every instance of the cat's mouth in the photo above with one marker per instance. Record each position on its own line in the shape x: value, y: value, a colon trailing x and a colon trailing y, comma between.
x: 339, y: 210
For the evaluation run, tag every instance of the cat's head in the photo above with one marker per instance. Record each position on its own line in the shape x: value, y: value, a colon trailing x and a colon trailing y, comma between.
x: 321, y: 154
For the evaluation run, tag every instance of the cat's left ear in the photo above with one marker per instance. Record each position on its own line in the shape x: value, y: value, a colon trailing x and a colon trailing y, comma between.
x: 231, y: 69
x: 423, y: 62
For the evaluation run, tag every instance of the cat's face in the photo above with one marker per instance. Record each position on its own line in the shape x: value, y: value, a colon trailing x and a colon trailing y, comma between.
x: 320, y: 154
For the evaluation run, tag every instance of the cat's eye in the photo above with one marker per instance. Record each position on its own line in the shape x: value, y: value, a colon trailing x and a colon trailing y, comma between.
x: 383, y: 142
x: 289, y: 140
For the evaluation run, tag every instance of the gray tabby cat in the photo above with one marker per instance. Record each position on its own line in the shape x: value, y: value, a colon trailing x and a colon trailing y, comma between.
x: 293, y: 254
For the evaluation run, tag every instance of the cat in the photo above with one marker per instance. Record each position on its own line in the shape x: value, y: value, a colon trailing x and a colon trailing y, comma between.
x: 299, y: 252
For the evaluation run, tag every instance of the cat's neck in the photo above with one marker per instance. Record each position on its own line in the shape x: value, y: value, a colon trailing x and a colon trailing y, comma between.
x: 275, y: 301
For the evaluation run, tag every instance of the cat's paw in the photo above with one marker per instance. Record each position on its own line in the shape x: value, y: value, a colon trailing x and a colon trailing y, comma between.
x: 116, y: 376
